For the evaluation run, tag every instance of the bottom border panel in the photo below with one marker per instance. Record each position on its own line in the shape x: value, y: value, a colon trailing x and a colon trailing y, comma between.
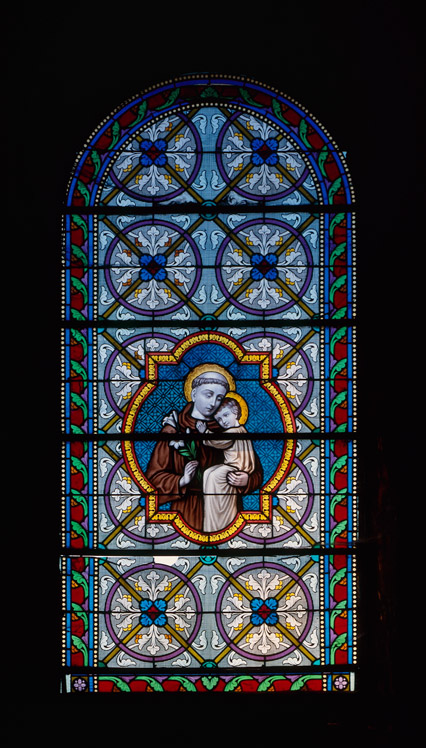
x: 343, y: 681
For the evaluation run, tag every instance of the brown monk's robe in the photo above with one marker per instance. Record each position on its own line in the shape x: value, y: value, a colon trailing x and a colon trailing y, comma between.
x: 166, y: 467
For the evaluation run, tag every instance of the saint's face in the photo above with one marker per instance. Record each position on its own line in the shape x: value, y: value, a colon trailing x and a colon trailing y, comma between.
x: 206, y: 399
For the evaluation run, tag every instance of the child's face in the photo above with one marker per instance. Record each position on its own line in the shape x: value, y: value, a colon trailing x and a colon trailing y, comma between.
x: 226, y: 417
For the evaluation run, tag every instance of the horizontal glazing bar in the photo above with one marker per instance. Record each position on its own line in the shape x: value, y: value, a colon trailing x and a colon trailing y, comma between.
x: 153, y: 323
x: 197, y: 209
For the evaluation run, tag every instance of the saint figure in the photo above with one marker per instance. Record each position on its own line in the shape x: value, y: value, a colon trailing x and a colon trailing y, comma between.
x: 180, y: 481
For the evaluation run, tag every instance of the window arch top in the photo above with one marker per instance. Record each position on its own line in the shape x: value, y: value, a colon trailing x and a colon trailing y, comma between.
x: 217, y: 140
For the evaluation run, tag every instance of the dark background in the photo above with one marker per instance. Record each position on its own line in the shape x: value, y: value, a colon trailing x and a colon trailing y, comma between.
x: 355, y: 69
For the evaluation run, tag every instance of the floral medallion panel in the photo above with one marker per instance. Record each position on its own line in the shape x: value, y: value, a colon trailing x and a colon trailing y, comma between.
x: 209, y: 421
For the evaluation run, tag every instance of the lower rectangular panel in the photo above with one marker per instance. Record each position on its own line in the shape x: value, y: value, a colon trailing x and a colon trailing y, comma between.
x: 212, y: 614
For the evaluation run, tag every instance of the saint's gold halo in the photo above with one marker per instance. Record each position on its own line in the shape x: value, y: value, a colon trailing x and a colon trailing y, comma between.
x: 243, y: 405
x: 202, y: 369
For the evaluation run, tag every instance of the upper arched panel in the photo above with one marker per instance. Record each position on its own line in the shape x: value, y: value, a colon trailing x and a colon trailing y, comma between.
x: 212, y: 141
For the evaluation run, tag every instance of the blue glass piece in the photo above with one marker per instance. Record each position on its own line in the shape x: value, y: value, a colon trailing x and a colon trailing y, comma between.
x: 264, y: 611
x: 153, y: 152
x: 264, y: 151
x: 264, y: 267
x: 152, y: 267
x: 153, y: 612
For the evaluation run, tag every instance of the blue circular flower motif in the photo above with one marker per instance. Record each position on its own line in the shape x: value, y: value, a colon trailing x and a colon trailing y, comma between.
x: 153, y: 152
x: 152, y: 267
x: 263, y: 151
x: 263, y: 266
x: 153, y: 612
x: 264, y: 611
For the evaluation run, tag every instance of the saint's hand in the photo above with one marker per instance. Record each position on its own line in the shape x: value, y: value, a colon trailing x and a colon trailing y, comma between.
x: 189, y: 472
x: 238, y: 478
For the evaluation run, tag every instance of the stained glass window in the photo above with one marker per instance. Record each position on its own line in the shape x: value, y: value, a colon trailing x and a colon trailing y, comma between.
x: 209, y: 453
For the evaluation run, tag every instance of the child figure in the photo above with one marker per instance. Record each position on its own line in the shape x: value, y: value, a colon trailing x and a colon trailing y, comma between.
x: 220, y: 497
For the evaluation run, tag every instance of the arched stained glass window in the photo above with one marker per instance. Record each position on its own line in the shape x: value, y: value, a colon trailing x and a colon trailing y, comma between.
x: 209, y: 460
